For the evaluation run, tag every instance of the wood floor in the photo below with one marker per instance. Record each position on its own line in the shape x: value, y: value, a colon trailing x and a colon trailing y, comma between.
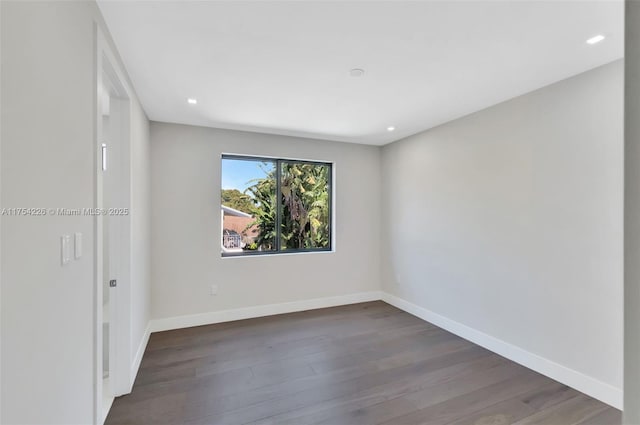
x: 366, y: 363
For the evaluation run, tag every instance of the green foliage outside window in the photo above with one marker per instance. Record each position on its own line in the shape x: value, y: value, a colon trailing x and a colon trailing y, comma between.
x: 305, y: 198
x: 237, y: 200
x: 304, y: 206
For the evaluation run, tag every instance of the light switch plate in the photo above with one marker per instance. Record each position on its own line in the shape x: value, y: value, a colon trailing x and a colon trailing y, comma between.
x: 77, y: 251
x: 65, y: 242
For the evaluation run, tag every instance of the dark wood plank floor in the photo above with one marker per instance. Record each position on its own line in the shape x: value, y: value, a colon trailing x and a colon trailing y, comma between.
x: 366, y: 363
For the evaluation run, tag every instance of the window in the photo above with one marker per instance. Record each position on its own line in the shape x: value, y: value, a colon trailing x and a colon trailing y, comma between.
x: 272, y: 206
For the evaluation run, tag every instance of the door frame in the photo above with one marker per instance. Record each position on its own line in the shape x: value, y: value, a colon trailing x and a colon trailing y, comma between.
x: 108, y: 73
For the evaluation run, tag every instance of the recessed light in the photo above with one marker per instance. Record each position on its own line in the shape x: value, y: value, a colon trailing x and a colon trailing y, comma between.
x: 192, y: 101
x: 356, y: 72
x: 595, y: 39
x: 391, y: 128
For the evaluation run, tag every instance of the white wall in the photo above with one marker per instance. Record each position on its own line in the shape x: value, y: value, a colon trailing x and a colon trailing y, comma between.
x: 185, y: 187
x: 509, y: 221
x: 140, y: 234
x: 632, y: 216
x: 48, y: 133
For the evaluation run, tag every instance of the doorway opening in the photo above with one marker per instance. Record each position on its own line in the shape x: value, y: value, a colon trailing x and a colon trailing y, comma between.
x: 112, y: 234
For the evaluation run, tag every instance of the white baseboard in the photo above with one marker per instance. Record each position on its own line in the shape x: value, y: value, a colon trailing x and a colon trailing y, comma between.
x: 179, y: 322
x: 577, y: 380
x: 107, y: 402
x: 135, y: 366
x: 572, y: 378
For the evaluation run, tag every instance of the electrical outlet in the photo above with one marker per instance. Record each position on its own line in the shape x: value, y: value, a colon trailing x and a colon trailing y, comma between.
x: 214, y: 289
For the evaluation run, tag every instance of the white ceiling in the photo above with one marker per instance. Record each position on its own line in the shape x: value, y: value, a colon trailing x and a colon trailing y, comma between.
x: 283, y: 67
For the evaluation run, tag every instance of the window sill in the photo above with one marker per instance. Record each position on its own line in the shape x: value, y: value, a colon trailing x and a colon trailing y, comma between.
x: 275, y: 254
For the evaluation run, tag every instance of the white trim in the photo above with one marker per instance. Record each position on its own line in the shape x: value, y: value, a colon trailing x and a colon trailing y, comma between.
x: 178, y: 322
x: 234, y: 212
x: 106, y: 407
x: 280, y: 254
x: 108, y: 70
x: 597, y: 389
x: 137, y: 360
x: 593, y: 387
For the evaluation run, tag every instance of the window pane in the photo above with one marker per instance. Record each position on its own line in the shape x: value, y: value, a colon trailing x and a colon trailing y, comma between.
x: 248, y: 205
x: 306, y: 205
